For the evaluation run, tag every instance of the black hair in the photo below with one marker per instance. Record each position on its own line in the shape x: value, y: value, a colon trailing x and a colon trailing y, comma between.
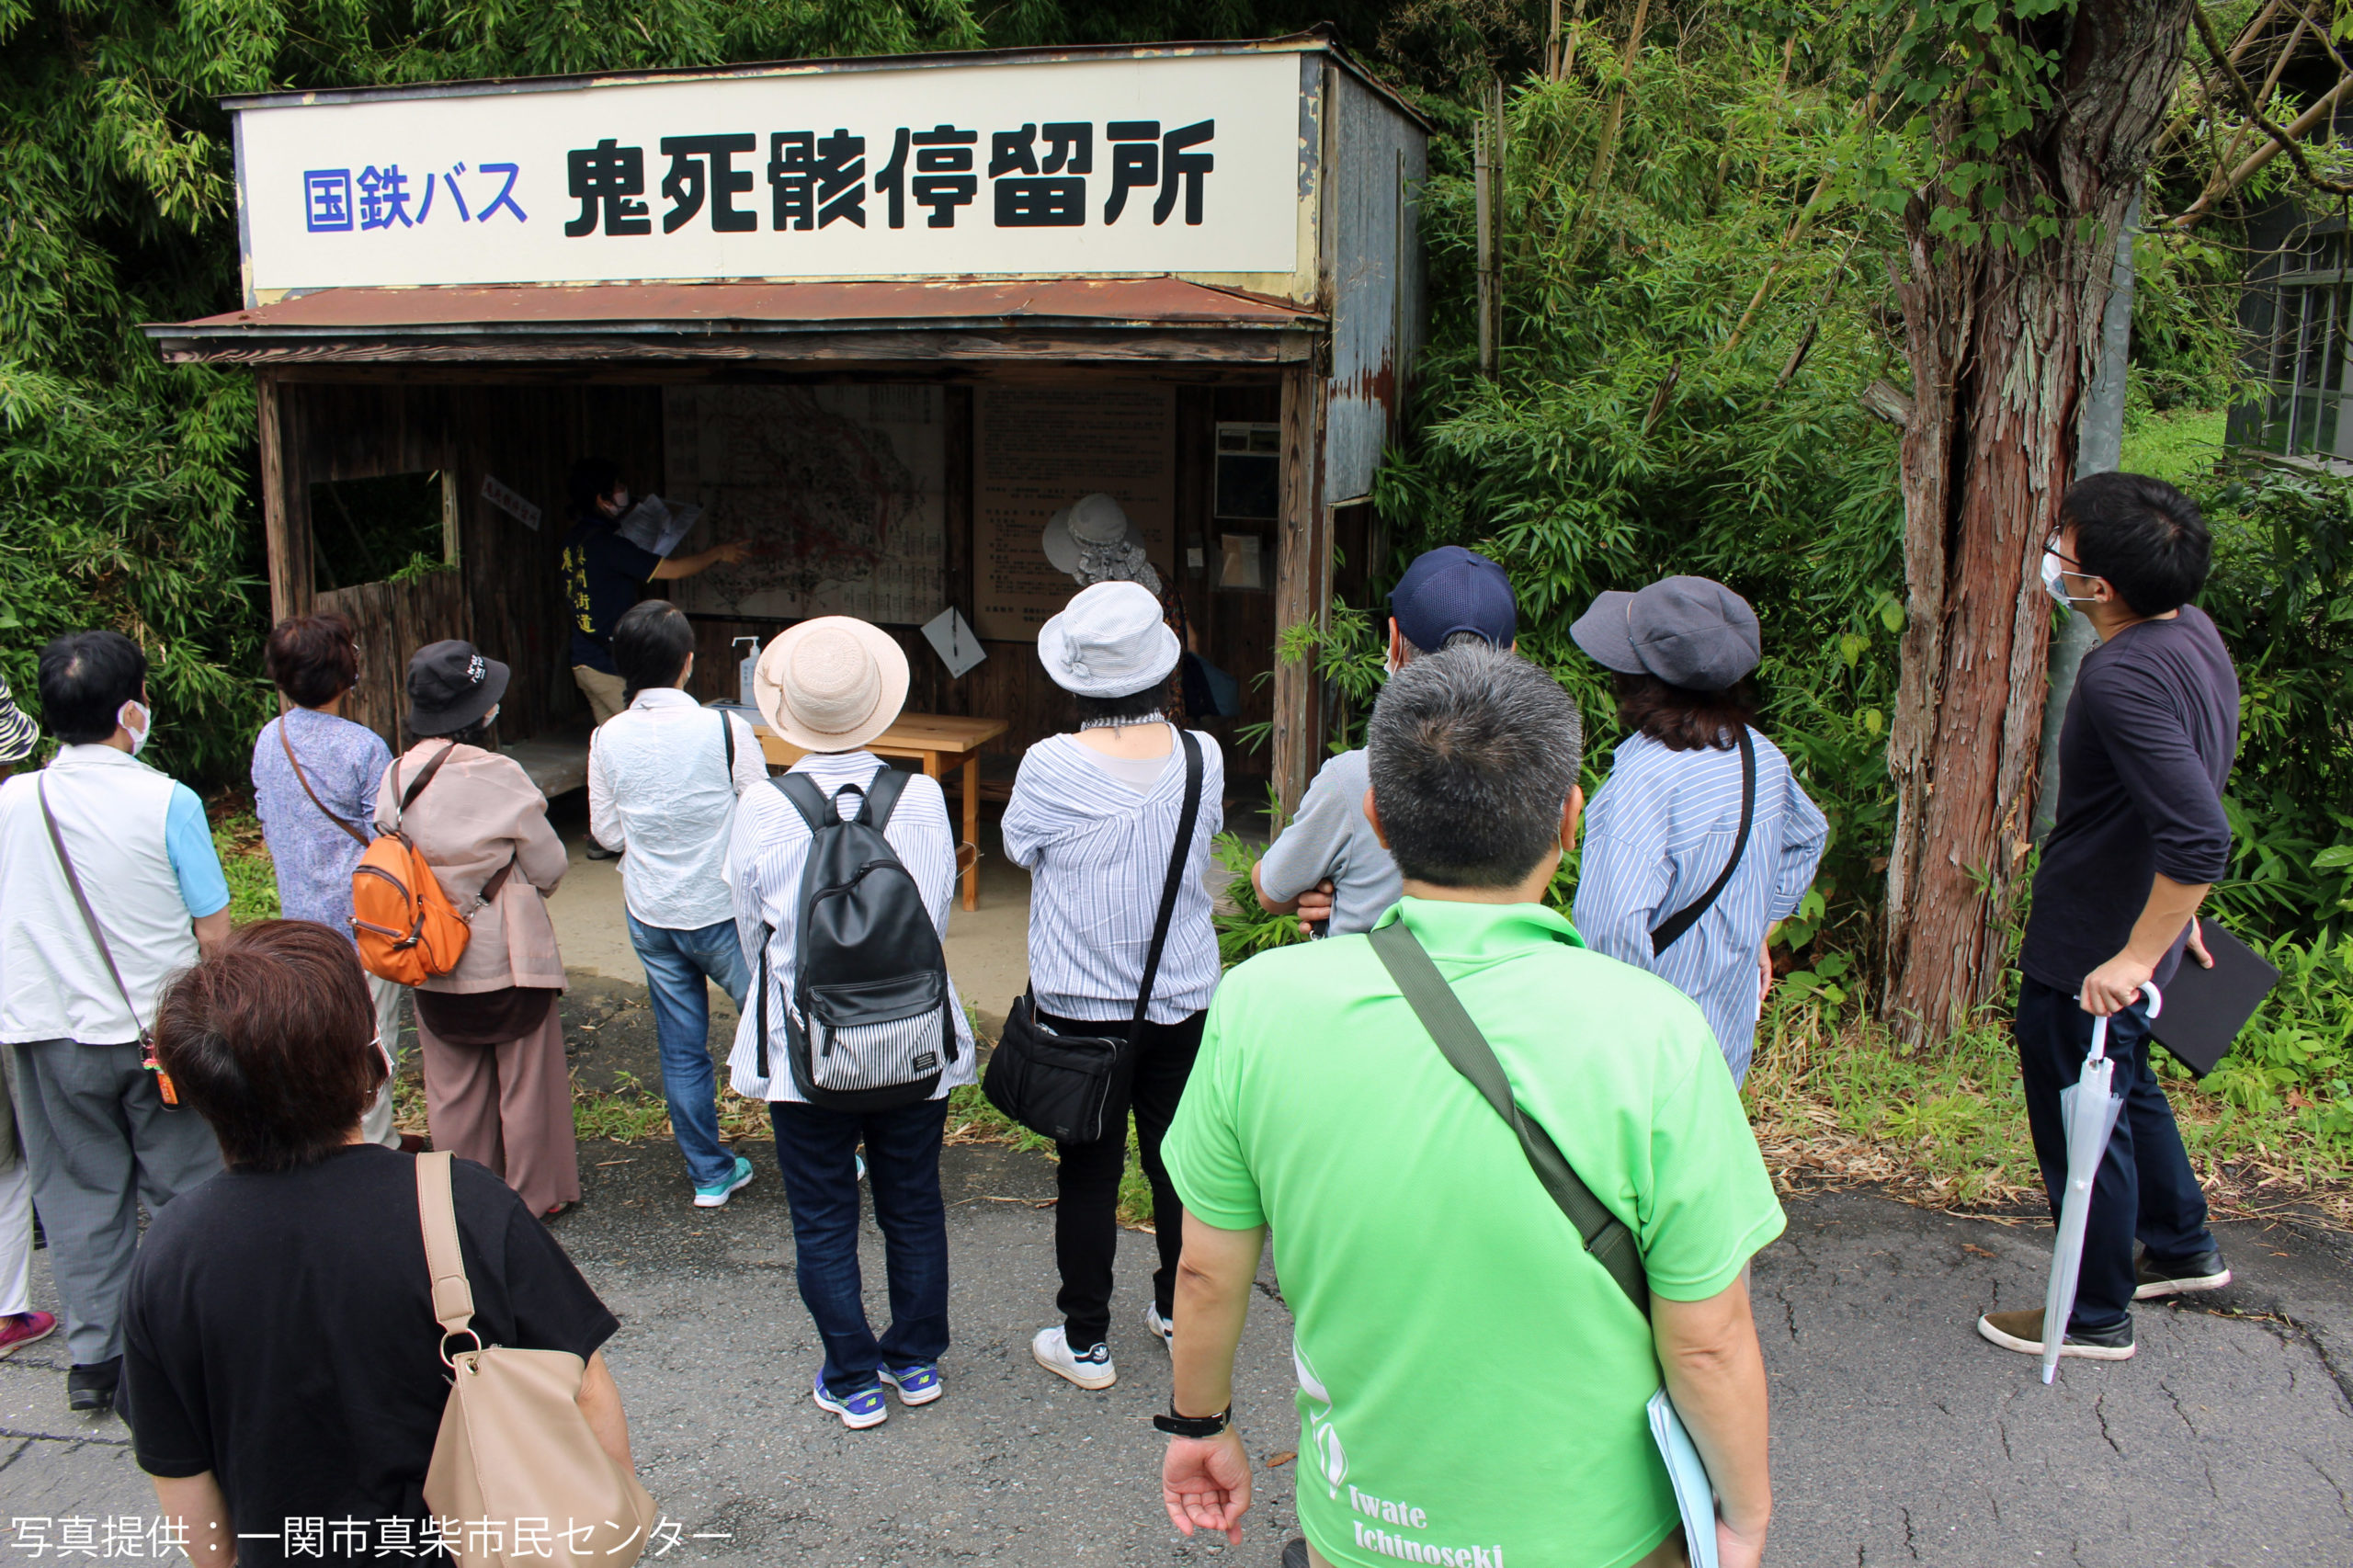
x: 1681, y: 719
x: 474, y: 734
x: 1136, y: 708
x: 592, y: 480
x: 86, y: 678
x: 2147, y: 537
x: 651, y: 644
x: 1474, y: 753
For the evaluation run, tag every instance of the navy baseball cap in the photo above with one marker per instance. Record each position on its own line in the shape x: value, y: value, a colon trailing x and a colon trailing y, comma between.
x: 1451, y: 589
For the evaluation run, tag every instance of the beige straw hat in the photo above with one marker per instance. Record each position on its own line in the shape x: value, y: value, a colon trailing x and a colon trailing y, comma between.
x: 831, y: 684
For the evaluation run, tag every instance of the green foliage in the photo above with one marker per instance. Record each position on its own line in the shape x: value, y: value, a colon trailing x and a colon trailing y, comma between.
x: 1648, y: 421
x: 253, y: 880
x: 2281, y: 593
x: 126, y: 486
x: 2295, y: 1060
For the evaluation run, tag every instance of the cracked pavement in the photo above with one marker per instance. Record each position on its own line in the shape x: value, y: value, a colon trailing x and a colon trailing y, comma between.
x: 1899, y: 1436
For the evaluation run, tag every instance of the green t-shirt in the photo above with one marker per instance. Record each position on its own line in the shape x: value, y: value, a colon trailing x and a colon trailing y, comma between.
x: 1472, y: 1382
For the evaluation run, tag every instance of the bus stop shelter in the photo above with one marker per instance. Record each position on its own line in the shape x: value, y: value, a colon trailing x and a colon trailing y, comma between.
x: 881, y: 317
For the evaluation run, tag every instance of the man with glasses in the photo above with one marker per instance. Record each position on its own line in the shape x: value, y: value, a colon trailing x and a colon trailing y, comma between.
x: 2141, y: 835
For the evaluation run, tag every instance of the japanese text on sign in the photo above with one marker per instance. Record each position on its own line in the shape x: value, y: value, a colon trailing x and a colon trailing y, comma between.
x: 1044, y: 168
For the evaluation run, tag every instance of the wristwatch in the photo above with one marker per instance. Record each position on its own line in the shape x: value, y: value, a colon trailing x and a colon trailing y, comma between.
x: 1178, y: 1425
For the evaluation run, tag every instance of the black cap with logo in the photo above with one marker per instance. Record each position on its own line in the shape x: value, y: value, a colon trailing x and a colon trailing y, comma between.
x: 450, y: 685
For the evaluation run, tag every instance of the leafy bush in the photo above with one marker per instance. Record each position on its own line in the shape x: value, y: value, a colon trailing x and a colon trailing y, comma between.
x: 2281, y: 594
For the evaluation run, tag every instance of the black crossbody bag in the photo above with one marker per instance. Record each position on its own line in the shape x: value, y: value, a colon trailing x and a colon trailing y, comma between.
x: 1060, y: 1085
x: 1664, y: 935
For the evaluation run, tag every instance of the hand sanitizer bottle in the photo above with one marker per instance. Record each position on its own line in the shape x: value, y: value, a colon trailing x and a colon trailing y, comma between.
x: 743, y: 670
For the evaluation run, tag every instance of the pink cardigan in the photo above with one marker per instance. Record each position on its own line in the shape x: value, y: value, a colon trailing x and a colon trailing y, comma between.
x: 480, y: 810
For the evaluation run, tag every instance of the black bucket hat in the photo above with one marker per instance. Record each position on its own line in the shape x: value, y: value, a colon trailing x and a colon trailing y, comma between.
x: 450, y: 685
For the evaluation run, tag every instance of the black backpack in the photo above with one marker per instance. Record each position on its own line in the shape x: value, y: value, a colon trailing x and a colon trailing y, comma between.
x: 877, y: 1015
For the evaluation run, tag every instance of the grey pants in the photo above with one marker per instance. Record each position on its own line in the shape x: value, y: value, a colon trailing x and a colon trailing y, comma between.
x: 100, y: 1141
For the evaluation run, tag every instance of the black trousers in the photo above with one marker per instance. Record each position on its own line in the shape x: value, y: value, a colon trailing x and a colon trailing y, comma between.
x: 2145, y: 1186
x: 1086, y: 1226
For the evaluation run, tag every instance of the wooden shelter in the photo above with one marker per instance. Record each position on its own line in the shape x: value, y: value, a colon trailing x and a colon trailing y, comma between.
x: 880, y: 316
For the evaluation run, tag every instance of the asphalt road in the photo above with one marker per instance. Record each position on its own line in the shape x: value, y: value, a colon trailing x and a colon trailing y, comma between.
x: 1899, y: 1436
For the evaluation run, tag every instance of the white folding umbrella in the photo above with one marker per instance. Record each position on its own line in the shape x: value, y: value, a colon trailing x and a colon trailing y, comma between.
x: 2088, y: 1111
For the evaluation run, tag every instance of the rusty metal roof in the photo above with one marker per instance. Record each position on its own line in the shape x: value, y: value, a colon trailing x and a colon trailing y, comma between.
x: 649, y: 314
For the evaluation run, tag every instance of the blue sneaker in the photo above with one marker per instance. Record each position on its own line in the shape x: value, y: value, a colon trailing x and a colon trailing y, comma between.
x: 917, y: 1382
x: 716, y: 1196
x: 867, y: 1407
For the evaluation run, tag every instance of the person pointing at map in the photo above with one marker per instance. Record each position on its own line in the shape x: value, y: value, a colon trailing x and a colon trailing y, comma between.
x: 610, y: 554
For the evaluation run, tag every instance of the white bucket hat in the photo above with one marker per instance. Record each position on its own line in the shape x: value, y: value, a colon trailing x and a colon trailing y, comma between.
x: 1092, y: 539
x: 1110, y: 641
x: 831, y: 684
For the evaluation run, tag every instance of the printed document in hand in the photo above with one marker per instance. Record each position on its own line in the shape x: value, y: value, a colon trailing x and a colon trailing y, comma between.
x: 653, y: 525
x: 1694, y: 1493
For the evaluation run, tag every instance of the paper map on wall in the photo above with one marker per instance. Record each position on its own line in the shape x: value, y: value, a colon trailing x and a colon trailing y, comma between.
x: 841, y: 485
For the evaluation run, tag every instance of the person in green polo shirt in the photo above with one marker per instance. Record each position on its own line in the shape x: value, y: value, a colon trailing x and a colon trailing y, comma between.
x: 1472, y: 1383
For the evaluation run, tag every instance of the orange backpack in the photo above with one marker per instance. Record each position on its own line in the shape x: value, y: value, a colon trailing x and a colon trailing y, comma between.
x: 404, y: 924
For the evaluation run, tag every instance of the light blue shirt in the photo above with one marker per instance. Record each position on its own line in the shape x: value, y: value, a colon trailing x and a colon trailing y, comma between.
x: 188, y: 839
x: 1656, y: 837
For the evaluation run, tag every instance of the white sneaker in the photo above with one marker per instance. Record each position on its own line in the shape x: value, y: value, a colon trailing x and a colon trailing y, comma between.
x: 1092, y: 1370
x: 1162, y: 1328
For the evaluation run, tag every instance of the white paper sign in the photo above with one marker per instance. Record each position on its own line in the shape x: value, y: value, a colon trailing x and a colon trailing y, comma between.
x: 1188, y: 165
x: 508, y: 501
x: 950, y: 636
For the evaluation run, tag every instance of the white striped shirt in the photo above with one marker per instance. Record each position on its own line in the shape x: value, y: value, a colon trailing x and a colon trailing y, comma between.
x: 1656, y: 837
x: 764, y: 855
x: 1097, y: 851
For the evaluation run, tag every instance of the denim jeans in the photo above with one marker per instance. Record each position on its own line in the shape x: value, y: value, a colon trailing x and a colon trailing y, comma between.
x: 2144, y: 1187
x: 817, y: 1152
x: 676, y: 963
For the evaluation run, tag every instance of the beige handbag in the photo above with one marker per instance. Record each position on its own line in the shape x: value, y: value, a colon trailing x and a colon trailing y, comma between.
x: 518, y: 1478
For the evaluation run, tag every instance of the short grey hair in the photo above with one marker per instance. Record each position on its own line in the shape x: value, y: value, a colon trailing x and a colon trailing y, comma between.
x: 1473, y: 751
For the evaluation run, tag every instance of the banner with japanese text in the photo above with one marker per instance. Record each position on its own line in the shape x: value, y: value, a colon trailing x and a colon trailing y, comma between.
x: 1185, y: 165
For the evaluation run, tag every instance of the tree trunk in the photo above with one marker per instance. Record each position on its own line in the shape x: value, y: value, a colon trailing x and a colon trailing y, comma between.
x: 2002, y: 346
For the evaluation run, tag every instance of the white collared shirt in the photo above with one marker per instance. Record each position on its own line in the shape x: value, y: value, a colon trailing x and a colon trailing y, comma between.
x: 659, y: 790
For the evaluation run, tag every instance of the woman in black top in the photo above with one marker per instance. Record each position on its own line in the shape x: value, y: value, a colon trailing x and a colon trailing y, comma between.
x: 282, y: 1359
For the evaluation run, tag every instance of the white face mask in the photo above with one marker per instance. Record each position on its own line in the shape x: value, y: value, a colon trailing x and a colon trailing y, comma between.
x: 2055, y: 576
x: 140, y: 730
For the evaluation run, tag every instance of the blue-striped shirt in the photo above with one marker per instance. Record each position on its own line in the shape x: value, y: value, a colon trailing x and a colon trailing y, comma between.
x: 1097, y: 851
x: 1656, y: 837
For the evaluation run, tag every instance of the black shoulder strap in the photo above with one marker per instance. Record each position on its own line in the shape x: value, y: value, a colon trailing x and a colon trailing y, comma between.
x: 1664, y: 935
x: 1458, y: 1038
x: 883, y: 792
x: 806, y: 798
x: 727, y: 737
x: 1177, y: 856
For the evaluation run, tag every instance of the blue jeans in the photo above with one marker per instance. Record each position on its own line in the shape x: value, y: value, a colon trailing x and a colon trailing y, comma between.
x: 817, y: 1151
x: 676, y: 963
x: 2145, y: 1186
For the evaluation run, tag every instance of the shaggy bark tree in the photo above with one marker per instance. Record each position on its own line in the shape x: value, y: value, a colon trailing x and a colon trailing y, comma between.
x: 2035, y: 135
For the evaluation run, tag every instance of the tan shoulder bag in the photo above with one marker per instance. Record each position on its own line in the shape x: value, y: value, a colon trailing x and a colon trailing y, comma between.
x: 515, y: 1455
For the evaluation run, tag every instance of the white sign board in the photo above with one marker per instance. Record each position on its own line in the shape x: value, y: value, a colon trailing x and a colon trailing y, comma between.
x: 1188, y: 165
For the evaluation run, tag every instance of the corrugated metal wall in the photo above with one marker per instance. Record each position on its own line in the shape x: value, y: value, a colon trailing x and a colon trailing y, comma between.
x: 1373, y: 253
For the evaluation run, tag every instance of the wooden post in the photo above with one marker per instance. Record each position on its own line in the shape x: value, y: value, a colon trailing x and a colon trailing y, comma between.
x: 1300, y: 578
x: 290, y: 570
x: 1482, y: 197
x: 1487, y: 194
